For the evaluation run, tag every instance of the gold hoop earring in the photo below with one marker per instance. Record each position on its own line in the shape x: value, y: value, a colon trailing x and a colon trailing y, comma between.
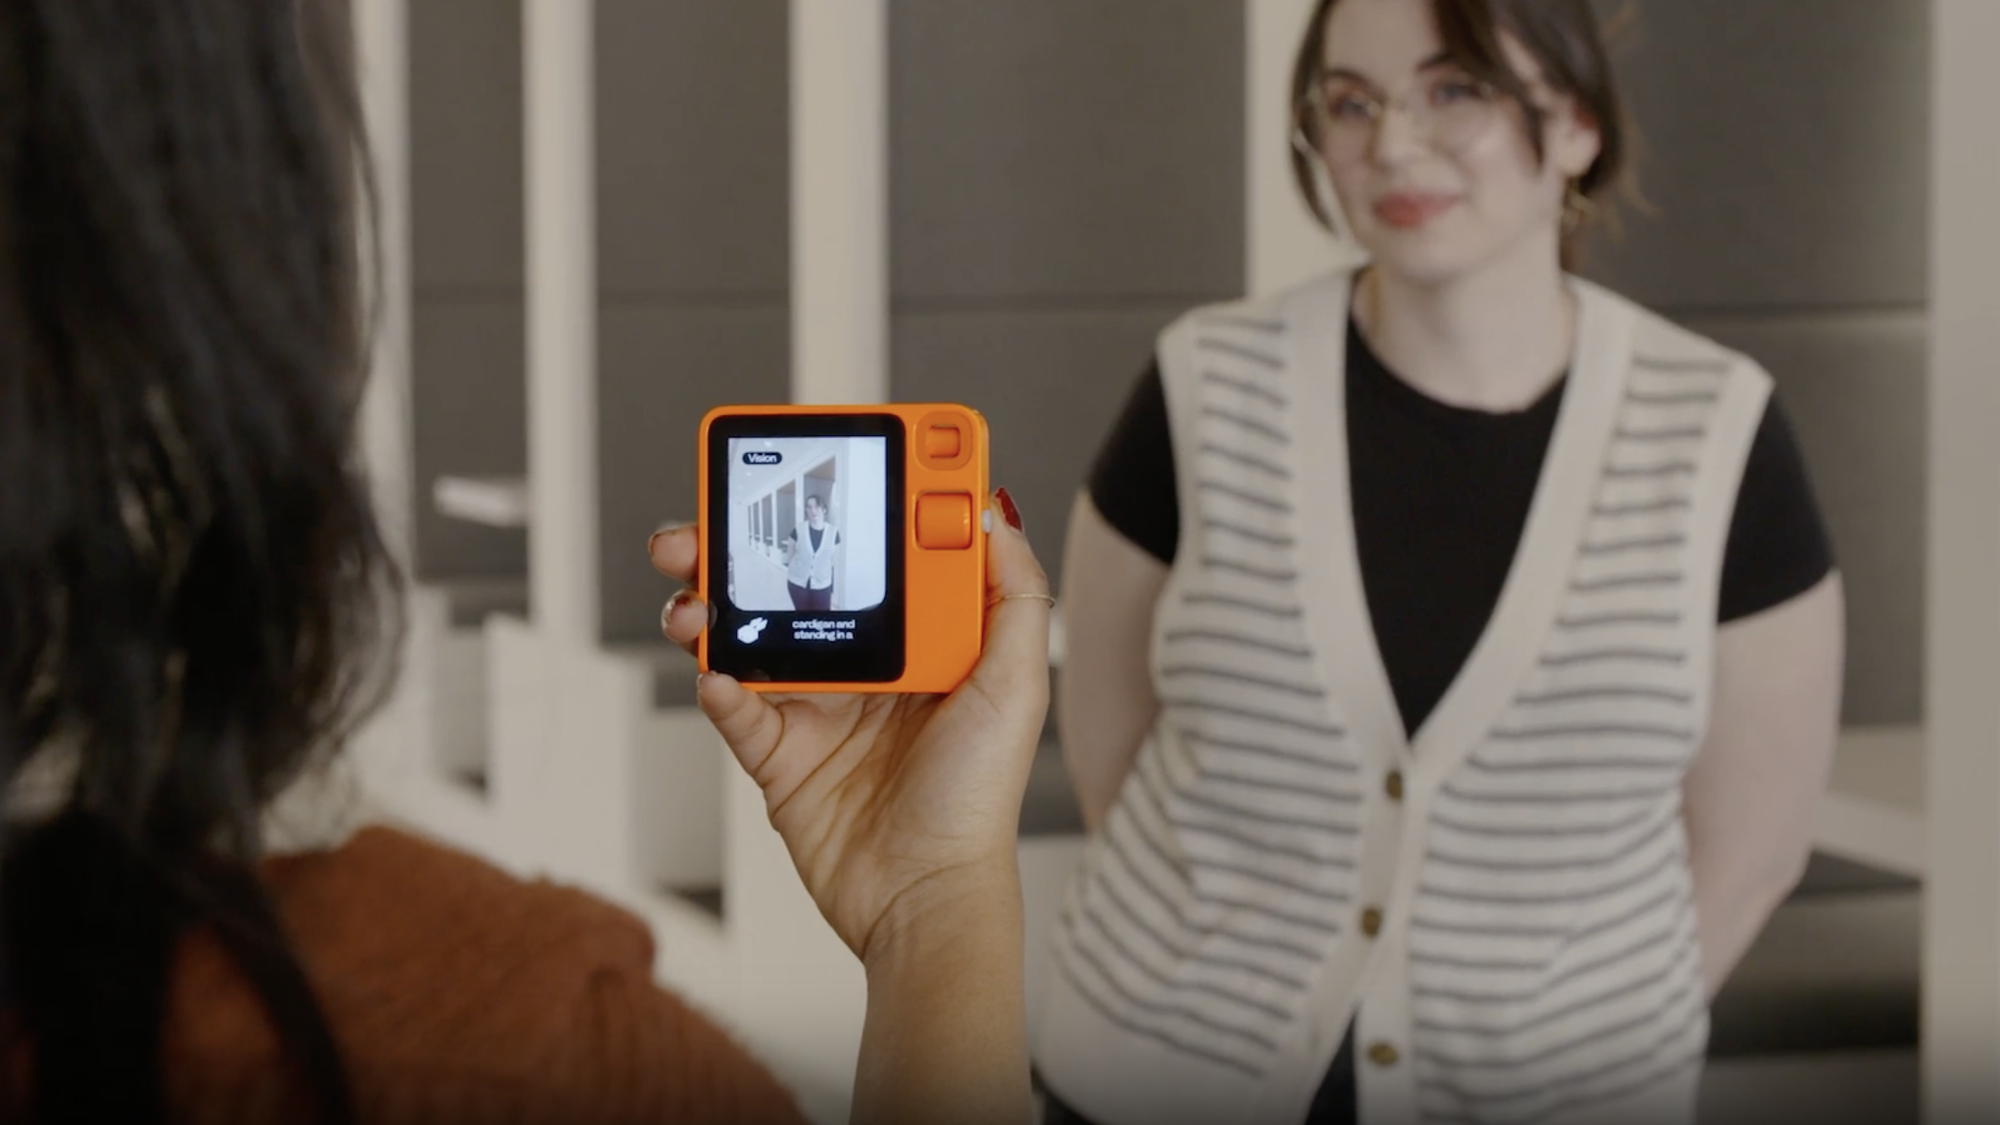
x: 1577, y: 209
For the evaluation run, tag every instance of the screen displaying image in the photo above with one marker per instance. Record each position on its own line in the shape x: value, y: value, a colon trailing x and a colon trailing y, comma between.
x: 807, y: 525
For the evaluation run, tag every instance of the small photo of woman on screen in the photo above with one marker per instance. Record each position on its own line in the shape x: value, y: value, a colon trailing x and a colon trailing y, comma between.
x: 809, y: 554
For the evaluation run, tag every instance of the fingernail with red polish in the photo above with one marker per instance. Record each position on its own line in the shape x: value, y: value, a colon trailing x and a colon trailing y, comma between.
x: 1008, y: 510
x: 680, y: 599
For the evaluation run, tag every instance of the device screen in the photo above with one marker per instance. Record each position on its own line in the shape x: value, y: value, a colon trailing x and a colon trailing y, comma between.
x: 808, y: 547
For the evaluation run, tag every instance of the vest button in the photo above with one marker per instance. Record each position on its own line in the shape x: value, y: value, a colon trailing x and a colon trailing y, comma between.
x: 1371, y: 921
x: 1393, y: 785
x: 1383, y: 1054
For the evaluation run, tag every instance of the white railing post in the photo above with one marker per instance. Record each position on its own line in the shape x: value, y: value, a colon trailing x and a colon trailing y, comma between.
x: 381, y: 34
x: 1961, y: 968
x: 840, y: 201
x: 1284, y: 243
x: 561, y: 189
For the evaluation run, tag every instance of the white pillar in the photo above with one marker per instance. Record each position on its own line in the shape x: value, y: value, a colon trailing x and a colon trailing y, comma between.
x: 322, y: 807
x: 1961, y: 997
x: 1286, y: 244
x: 561, y: 198
x: 381, y: 34
x: 840, y: 201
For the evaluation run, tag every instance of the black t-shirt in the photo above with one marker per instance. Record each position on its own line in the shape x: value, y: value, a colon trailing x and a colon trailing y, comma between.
x: 1440, y: 499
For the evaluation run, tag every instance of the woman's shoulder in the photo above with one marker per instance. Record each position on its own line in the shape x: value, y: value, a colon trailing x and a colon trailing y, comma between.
x: 440, y: 972
x: 400, y: 933
x: 1661, y: 343
x: 398, y: 914
x: 383, y: 863
x: 1261, y: 315
x: 441, y: 891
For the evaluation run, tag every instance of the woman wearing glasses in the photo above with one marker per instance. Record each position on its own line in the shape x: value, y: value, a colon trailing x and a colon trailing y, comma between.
x: 1450, y: 728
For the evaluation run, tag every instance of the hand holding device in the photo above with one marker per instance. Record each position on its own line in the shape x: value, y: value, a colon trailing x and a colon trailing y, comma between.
x: 900, y: 813
x: 893, y: 805
x: 843, y: 547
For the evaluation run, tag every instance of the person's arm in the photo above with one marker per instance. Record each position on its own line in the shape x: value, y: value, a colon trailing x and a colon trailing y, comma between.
x: 945, y: 1036
x: 901, y: 813
x: 1105, y: 702
x: 1749, y: 799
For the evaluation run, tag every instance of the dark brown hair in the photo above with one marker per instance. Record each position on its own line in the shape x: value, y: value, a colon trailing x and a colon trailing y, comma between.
x: 1566, y: 41
x: 196, y: 603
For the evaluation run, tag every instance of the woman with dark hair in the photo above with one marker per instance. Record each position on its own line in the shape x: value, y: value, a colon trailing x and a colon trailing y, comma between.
x: 196, y: 607
x: 1454, y: 721
x: 810, y: 552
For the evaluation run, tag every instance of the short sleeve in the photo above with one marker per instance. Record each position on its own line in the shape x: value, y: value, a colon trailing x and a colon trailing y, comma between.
x: 1132, y: 480
x: 1778, y: 542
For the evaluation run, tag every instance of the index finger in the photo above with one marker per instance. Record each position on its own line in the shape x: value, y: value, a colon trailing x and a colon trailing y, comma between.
x: 676, y: 552
x: 1014, y: 661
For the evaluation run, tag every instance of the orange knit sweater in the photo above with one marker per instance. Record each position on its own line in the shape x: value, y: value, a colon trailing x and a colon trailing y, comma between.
x: 460, y: 994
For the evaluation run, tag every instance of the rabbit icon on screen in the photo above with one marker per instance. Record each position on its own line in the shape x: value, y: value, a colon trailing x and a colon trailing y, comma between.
x: 749, y: 633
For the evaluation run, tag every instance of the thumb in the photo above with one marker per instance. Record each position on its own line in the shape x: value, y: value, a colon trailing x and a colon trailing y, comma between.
x: 746, y: 721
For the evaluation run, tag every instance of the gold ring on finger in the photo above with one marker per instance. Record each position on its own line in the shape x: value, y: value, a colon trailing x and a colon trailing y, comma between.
x: 1028, y: 597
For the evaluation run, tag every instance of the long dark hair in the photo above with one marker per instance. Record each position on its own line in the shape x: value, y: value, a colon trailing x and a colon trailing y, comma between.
x: 195, y: 601
x: 1567, y: 42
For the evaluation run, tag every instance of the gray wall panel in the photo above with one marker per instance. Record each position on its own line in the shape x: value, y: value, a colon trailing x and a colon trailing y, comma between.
x: 465, y: 143
x: 467, y: 403
x: 1066, y: 176
x: 693, y: 240
x: 1855, y: 390
x: 1787, y: 148
x: 1049, y: 148
x: 662, y: 367
x: 469, y: 416
x: 692, y: 149
x: 1050, y: 385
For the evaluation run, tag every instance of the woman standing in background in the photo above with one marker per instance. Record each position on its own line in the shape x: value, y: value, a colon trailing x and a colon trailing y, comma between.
x: 1454, y: 649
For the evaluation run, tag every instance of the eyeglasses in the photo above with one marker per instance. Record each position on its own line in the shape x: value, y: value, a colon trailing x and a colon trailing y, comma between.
x: 1341, y: 117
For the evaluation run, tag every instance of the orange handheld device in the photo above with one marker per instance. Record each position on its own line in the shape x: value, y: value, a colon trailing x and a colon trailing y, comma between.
x: 843, y: 547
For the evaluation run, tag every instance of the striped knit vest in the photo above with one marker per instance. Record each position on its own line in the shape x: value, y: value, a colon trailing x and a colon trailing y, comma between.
x: 1500, y: 903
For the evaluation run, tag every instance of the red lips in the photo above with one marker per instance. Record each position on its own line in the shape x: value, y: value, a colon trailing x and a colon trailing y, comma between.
x: 1409, y: 210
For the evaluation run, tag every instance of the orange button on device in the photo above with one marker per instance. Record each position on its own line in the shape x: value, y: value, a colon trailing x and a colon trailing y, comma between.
x: 941, y: 443
x: 944, y: 521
